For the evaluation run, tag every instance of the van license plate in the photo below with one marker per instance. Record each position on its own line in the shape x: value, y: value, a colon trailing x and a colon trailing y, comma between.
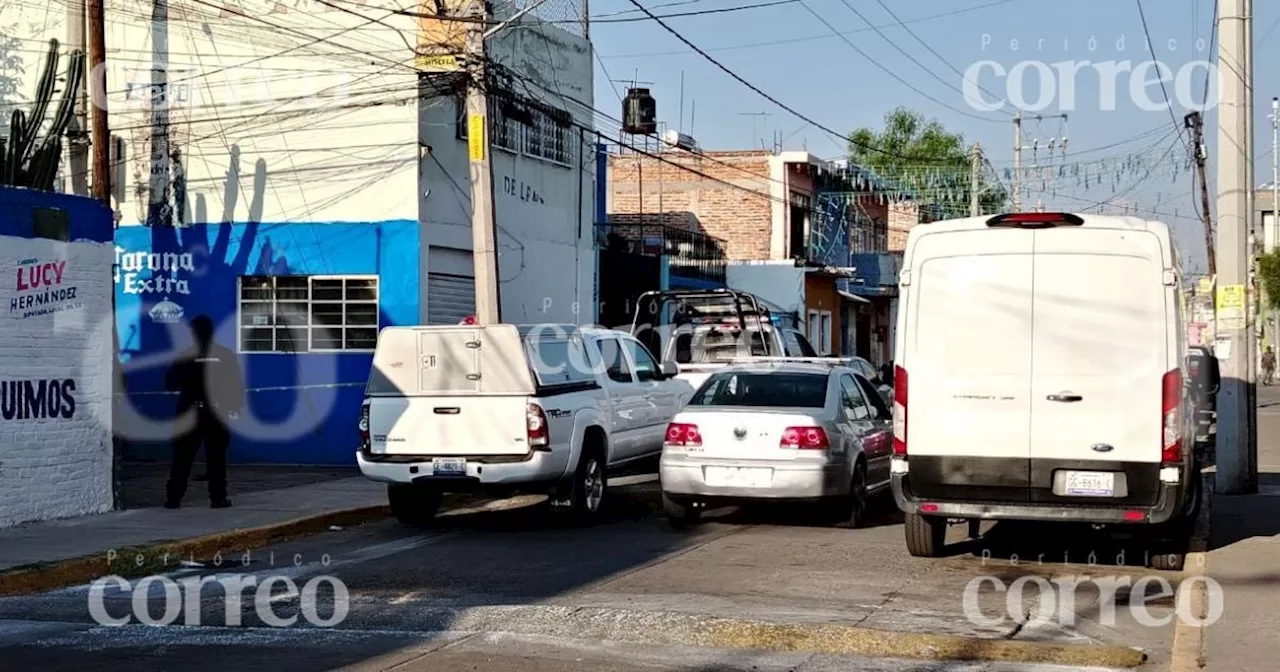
x: 449, y: 466
x: 1091, y: 483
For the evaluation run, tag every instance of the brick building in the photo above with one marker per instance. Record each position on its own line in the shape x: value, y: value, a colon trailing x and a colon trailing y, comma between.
x: 765, y: 206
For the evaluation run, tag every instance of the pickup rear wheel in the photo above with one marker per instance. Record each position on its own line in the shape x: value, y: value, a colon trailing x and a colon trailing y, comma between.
x: 413, y: 504
x: 587, y: 494
x: 926, y: 535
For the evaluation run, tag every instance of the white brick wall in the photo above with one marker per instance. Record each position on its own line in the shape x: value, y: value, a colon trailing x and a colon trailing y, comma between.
x: 51, y: 465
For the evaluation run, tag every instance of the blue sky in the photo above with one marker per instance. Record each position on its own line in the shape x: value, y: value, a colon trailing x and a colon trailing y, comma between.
x: 789, y: 53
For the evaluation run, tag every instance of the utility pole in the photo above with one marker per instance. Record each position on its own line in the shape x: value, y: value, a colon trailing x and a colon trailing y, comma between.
x: 1017, y: 161
x: 484, y: 246
x: 100, y: 138
x: 975, y: 171
x: 1236, y: 439
x: 1275, y: 175
x: 1195, y: 122
x: 78, y: 129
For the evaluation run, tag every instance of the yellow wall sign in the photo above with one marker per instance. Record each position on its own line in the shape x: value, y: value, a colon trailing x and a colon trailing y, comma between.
x: 441, y: 39
x: 475, y: 136
x: 1204, y: 286
x: 1231, y: 297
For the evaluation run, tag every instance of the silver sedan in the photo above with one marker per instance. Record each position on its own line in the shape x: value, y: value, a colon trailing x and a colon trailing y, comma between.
x: 780, y: 432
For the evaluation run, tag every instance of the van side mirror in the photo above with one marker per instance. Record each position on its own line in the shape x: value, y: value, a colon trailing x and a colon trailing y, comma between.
x: 670, y: 369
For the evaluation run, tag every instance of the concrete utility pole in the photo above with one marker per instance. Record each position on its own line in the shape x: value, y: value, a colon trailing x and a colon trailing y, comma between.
x: 1195, y: 122
x: 1275, y: 175
x: 100, y: 139
x: 484, y: 248
x: 78, y: 129
x: 1236, y: 440
x: 1017, y: 161
x: 975, y: 172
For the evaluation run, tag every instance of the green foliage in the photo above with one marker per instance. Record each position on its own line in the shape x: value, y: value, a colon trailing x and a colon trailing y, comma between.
x: 912, y: 144
x: 1269, y: 277
x: 30, y: 155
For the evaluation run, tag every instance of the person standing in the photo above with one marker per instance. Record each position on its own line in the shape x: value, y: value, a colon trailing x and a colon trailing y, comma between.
x: 211, y: 393
x: 1268, y: 366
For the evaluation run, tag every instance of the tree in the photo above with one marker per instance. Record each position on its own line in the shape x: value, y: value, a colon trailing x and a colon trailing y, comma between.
x: 1269, y: 277
x: 11, y: 71
x: 920, y: 157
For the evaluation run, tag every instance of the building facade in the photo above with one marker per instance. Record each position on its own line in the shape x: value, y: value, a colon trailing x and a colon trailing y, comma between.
x: 544, y: 180
x: 56, y: 451
x: 788, y: 222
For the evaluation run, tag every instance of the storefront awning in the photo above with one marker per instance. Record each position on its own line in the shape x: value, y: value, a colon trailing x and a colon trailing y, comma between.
x: 852, y: 297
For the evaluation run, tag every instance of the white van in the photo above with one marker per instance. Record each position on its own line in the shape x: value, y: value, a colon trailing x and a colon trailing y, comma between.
x: 1039, y: 376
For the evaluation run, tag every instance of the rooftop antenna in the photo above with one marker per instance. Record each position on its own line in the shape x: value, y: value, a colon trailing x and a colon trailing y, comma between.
x: 681, y: 126
x: 756, y: 136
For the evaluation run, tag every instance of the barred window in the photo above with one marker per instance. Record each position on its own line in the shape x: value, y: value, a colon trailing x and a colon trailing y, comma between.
x: 532, y: 129
x: 308, y: 313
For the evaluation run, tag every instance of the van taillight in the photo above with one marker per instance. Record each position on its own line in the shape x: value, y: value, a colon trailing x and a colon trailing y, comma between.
x: 680, y: 434
x: 364, y: 426
x: 539, y: 433
x: 1171, y: 418
x: 899, y: 411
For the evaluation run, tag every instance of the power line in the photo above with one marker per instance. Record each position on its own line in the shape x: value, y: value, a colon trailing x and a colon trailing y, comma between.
x: 1163, y: 89
x: 902, y: 51
x: 757, y: 89
x: 810, y: 38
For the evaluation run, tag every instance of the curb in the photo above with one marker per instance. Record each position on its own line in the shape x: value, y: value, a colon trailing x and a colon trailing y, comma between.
x: 850, y: 640
x: 1187, y: 653
x: 48, y: 576
x: 665, y: 628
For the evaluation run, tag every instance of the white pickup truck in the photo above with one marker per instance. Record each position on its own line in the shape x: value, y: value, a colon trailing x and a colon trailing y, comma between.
x: 502, y: 408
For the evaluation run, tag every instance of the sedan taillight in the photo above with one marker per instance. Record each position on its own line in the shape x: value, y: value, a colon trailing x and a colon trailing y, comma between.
x: 805, y: 438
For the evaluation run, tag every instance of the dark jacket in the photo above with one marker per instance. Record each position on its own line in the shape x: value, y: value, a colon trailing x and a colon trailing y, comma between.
x: 210, y: 376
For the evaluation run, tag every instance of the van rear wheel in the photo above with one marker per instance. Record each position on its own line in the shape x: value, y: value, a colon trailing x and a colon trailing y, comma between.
x: 413, y: 504
x: 926, y: 535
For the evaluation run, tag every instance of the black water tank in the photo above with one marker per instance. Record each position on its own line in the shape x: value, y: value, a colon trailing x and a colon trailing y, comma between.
x: 639, y: 112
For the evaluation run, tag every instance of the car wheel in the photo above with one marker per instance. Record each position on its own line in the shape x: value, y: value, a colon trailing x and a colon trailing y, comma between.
x: 590, y: 482
x: 680, y: 515
x: 413, y: 504
x: 852, y: 512
x: 926, y: 535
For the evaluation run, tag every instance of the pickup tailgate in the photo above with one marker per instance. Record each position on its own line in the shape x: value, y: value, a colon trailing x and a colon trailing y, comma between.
x: 449, y: 391
x: 448, y: 426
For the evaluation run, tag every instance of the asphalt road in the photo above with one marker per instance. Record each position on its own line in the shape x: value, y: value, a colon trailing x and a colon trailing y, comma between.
x: 512, y: 589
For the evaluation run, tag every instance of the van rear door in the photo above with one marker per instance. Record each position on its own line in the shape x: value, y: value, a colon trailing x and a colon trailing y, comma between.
x: 967, y: 353
x: 449, y: 391
x: 1100, y: 353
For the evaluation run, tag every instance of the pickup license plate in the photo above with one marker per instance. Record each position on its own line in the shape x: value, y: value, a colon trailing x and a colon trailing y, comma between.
x: 449, y: 466
x: 740, y: 477
x: 1091, y: 483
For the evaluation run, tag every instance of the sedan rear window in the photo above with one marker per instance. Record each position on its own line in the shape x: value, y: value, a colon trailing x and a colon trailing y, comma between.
x: 783, y: 390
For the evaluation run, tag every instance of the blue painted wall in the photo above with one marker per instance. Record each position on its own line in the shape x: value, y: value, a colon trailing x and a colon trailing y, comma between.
x: 315, y: 425
x: 87, y: 219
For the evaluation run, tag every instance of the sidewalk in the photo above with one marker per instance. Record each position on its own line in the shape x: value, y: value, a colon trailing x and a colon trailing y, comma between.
x: 54, y: 542
x: 1244, y: 557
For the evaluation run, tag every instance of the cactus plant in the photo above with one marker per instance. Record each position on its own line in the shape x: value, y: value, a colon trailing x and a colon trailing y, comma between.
x: 29, y: 157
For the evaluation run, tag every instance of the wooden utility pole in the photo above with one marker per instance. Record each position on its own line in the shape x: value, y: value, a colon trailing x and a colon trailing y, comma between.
x: 975, y: 172
x: 1195, y: 122
x: 100, y: 135
x: 483, y: 225
x: 77, y: 131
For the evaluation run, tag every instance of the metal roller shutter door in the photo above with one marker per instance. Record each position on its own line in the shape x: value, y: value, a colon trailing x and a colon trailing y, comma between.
x: 450, y: 298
